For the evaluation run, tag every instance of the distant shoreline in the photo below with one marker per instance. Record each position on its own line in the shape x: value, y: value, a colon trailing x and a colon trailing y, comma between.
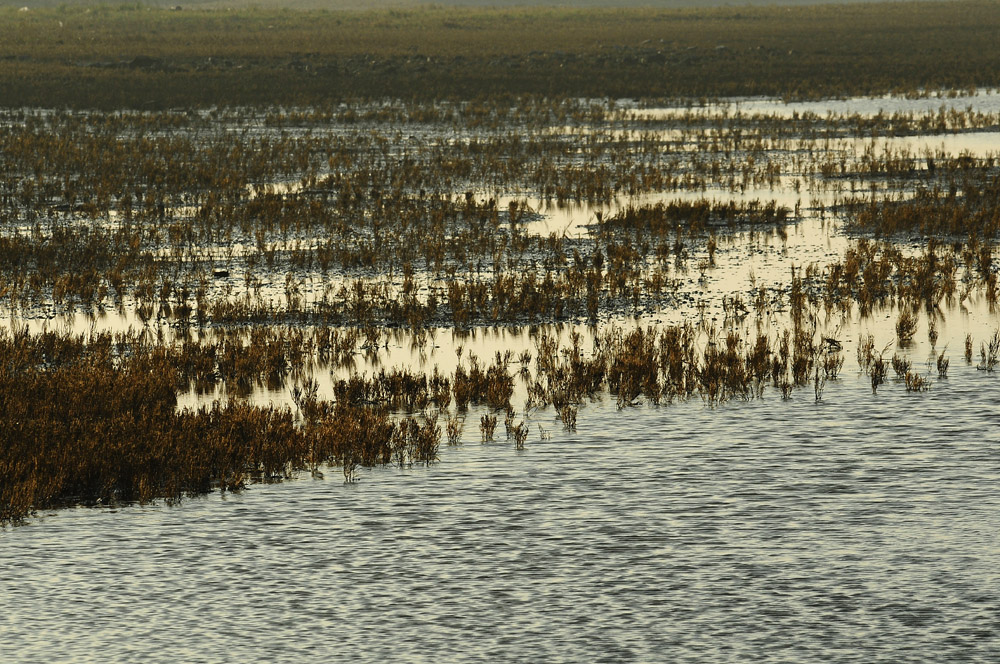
x: 382, y: 5
x: 144, y: 57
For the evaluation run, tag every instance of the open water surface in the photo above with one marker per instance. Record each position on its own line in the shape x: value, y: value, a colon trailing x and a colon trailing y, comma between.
x: 857, y: 528
x: 860, y: 528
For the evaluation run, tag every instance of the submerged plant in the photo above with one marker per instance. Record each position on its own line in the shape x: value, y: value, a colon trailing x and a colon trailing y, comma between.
x: 454, y: 429
x: 915, y: 382
x: 866, y: 352
x: 487, y: 425
x: 990, y: 353
x: 520, y: 434
x: 900, y: 365
x: 877, y: 371
x: 568, y: 416
x: 942, y: 364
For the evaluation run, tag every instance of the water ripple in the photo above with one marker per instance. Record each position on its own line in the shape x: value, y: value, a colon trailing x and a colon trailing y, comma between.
x: 859, y: 529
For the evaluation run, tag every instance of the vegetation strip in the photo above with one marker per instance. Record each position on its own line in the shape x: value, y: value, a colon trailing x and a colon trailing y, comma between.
x: 142, y: 57
x: 403, y: 186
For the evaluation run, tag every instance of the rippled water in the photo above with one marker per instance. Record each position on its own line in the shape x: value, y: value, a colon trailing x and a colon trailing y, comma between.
x: 860, y: 528
x: 857, y: 528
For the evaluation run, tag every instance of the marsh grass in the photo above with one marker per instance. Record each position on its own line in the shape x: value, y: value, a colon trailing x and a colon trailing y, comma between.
x: 915, y: 382
x: 487, y: 425
x: 568, y: 416
x: 877, y: 371
x: 168, y: 203
x: 112, y: 57
x: 454, y: 428
x: 520, y: 434
x: 866, y: 352
x: 96, y: 427
x: 942, y: 364
x: 901, y: 366
x: 989, y: 353
x: 97, y: 420
x: 95, y: 417
x: 327, y: 232
x: 906, y: 327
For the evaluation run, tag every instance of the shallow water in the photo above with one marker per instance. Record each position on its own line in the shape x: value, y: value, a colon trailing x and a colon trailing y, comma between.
x: 860, y: 528
x: 983, y: 100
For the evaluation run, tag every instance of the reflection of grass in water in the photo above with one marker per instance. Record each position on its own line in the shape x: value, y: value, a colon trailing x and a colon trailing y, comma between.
x: 95, y: 418
x: 104, y: 209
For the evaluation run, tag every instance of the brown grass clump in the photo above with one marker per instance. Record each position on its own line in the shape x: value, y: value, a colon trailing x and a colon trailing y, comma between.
x: 989, y: 353
x: 876, y: 274
x: 454, y: 428
x: 866, y: 352
x: 96, y: 421
x: 99, y: 428
x: 568, y: 416
x: 942, y: 364
x: 833, y: 362
x: 915, y: 382
x: 520, y: 434
x: 364, y: 436
x: 487, y: 425
x: 906, y: 327
x: 492, y: 387
x: 900, y: 365
x: 877, y: 371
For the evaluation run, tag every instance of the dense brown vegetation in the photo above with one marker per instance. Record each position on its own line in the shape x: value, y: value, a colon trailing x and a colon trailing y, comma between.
x: 140, y: 57
x: 171, y: 214
x: 95, y: 419
x: 273, y: 248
